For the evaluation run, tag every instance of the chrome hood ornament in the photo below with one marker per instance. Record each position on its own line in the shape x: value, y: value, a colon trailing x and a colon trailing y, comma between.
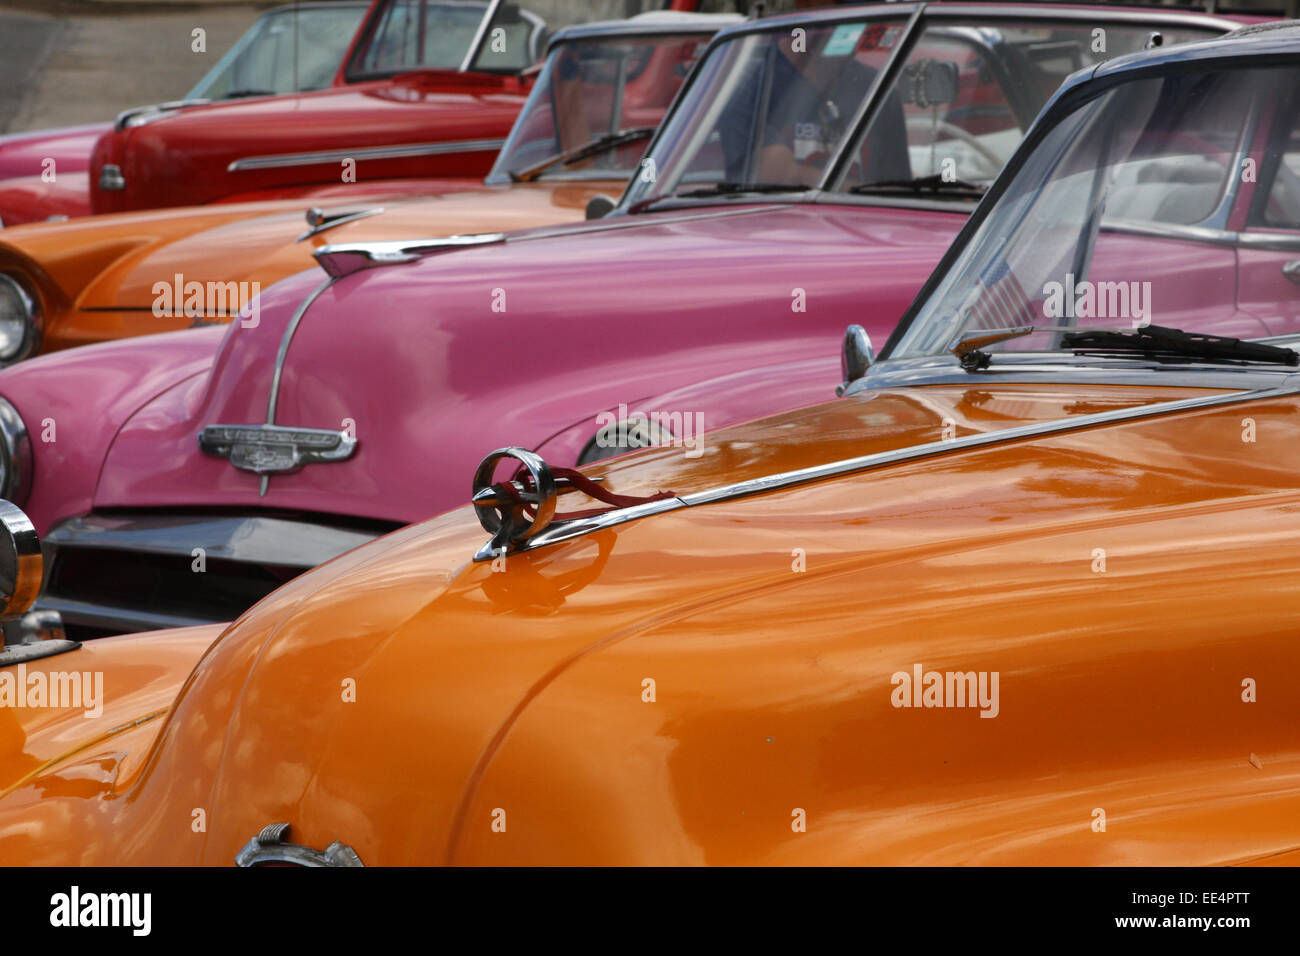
x: 275, y: 449
x: 343, y: 258
x: 515, y: 510
x: 318, y: 220
x: 269, y: 847
x: 143, y: 115
x: 519, y: 511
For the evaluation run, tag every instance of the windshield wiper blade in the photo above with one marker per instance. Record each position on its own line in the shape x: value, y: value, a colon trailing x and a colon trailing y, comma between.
x: 1160, y: 338
x: 922, y: 184
x: 736, y: 189
x: 241, y: 94
x: 971, y: 351
x: 1148, y: 339
x: 600, y: 144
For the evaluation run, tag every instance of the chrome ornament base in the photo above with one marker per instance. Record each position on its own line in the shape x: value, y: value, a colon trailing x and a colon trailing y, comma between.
x: 269, y: 846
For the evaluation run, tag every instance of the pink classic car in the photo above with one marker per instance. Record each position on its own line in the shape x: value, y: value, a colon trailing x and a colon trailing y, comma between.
x: 808, y: 157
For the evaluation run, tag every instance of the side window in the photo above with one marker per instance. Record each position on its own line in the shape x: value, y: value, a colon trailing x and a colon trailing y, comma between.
x: 266, y: 63
x: 967, y: 93
x: 415, y: 34
x: 1282, y: 208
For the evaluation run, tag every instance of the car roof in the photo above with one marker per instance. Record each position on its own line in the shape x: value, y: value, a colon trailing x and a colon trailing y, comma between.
x: 654, y: 23
x: 1278, y: 39
x: 1024, y: 9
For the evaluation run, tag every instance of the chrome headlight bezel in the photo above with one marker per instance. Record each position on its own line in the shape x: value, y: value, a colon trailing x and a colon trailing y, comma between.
x: 30, y: 304
x: 15, y: 455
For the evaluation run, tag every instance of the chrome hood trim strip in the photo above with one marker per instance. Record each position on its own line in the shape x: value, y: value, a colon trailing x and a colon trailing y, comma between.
x: 1002, y: 436
x: 283, y: 351
x: 403, y: 151
x: 564, y: 531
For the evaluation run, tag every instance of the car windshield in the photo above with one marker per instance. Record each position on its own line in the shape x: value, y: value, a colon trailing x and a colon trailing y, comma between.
x: 287, y: 50
x: 1170, y: 200
x: 783, y: 107
x: 484, y: 36
x: 595, y: 105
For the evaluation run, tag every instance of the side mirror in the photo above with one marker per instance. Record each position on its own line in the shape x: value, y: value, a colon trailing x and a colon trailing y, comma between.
x: 855, y: 357
x: 598, y: 207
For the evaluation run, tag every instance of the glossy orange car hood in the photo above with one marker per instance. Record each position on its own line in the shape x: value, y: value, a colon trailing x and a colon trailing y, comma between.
x: 685, y: 687
x: 113, y: 261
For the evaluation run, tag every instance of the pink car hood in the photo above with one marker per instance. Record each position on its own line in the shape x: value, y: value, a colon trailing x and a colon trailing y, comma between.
x: 434, y: 363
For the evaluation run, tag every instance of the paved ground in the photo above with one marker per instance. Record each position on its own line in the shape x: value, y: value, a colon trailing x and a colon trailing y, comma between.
x: 86, y: 62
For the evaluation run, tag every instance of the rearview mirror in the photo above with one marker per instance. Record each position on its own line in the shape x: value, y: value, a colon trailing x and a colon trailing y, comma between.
x: 929, y: 83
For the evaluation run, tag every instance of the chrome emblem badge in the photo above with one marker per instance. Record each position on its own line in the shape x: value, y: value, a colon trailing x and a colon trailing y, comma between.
x: 273, y: 449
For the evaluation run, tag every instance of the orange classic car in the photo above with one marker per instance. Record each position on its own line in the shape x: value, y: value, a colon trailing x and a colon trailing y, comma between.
x: 600, y: 96
x: 1024, y: 594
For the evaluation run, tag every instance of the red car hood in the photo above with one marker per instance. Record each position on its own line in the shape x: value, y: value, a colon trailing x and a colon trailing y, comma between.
x: 183, y: 158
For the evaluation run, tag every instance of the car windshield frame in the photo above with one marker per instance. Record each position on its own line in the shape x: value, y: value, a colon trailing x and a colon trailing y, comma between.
x: 1057, y: 364
x: 915, y: 20
x: 651, y: 33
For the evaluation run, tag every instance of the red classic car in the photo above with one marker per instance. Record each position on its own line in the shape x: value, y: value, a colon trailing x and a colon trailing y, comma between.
x: 428, y: 89
x: 433, y: 88
x: 43, y: 173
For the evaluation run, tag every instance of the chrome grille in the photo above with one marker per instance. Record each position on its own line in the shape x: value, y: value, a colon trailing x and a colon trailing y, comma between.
x: 117, y: 573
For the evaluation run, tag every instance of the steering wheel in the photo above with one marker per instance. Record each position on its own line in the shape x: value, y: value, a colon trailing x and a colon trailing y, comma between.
x: 926, y: 124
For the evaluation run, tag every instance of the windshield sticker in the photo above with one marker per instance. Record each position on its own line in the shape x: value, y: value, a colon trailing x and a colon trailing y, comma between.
x: 880, y: 37
x: 844, y: 40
